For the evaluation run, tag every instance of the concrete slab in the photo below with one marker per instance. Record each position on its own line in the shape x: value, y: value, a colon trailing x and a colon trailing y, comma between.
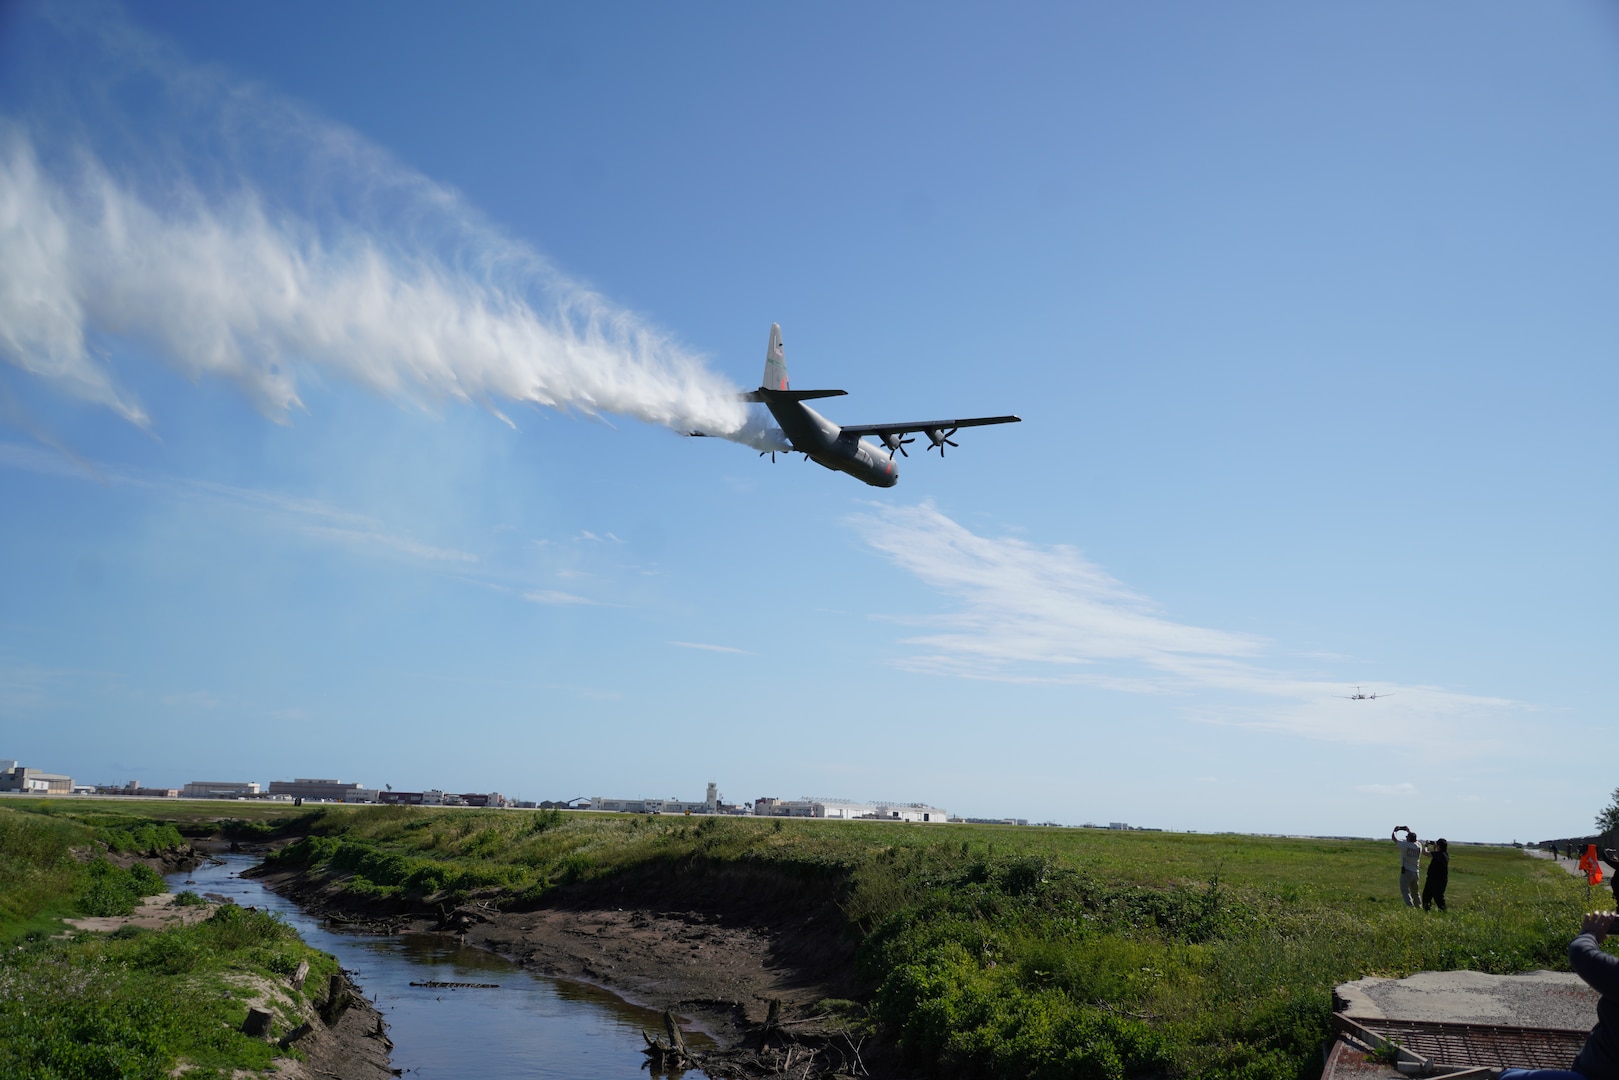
x: 1540, y: 999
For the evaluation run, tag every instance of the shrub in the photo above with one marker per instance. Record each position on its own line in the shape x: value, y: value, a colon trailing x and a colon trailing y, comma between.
x: 140, y: 837
x: 234, y: 927
x: 108, y: 890
x: 169, y: 954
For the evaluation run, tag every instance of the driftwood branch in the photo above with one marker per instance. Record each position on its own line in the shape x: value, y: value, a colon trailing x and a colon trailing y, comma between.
x: 671, y: 1056
x: 854, y: 1048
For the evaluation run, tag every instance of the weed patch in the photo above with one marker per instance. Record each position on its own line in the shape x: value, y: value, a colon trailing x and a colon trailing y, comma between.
x: 133, y: 1002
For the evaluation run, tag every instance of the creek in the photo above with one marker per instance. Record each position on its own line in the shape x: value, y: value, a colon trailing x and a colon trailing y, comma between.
x: 529, y: 1026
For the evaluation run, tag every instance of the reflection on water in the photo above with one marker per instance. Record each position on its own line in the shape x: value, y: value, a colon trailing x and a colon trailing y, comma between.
x: 528, y: 1027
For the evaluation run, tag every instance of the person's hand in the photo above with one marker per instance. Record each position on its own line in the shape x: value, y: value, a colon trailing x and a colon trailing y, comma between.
x: 1598, y: 924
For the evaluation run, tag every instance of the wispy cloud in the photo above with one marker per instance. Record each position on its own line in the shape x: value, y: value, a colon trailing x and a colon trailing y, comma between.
x: 1028, y: 613
x: 195, y: 699
x: 553, y: 596
x: 306, y: 517
x: 1387, y: 789
x: 1031, y: 613
x: 27, y: 688
x: 710, y: 648
x: 363, y: 539
x: 32, y: 692
x: 587, y: 693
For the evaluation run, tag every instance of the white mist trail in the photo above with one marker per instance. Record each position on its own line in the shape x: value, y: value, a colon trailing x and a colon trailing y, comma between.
x: 319, y: 257
x: 1022, y: 612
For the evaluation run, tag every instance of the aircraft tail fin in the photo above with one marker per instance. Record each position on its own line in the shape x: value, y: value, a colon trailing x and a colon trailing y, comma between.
x: 775, y: 377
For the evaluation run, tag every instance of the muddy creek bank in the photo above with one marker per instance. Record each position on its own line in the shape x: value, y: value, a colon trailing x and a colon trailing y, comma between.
x: 748, y: 967
x: 509, y: 1024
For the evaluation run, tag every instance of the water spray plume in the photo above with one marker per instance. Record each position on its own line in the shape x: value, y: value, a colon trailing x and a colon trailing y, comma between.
x: 335, y: 261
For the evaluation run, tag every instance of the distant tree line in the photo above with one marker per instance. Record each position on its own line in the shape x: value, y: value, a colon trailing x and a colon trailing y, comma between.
x: 1608, y: 820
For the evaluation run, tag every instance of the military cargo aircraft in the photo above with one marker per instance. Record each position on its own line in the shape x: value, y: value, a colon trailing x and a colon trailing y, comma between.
x: 844, y: 448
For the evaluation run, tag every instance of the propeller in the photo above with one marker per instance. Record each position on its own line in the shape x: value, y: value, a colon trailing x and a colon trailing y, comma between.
x: 896, y: 441
x: 941, y: 439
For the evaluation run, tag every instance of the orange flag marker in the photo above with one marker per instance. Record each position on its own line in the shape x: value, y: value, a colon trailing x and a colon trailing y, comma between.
x: 1589, y: 863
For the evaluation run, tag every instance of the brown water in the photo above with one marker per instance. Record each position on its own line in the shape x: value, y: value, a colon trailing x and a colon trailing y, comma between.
x: 530, y: 1027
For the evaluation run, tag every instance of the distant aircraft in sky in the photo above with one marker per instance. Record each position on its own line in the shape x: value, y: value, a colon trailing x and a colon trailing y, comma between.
x: 1358, y: 696
x: 844, y: 448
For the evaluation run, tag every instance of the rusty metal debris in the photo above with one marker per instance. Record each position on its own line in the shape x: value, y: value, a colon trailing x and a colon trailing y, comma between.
x: 1385, y: 1047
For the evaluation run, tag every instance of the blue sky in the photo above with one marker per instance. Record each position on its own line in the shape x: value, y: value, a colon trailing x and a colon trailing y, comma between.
x: 346, y: 352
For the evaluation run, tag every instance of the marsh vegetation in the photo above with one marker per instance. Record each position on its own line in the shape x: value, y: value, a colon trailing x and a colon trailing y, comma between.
x: 1015, y: 952
x: 133, y: 1003
x: 980, y: 951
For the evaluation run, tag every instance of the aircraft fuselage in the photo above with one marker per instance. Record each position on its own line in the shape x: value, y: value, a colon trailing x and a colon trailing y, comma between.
x: 825, y: 443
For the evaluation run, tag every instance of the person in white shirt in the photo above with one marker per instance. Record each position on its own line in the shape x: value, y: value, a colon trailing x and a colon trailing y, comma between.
x: 1410, y: 864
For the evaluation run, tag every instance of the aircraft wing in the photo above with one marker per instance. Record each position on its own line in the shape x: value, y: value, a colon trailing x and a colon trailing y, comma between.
x: 882, y: 430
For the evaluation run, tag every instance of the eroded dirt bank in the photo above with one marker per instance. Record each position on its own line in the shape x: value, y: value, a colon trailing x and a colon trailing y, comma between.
x: 349, y: 1041
x: 715, y: 947
x: 356, y: 1047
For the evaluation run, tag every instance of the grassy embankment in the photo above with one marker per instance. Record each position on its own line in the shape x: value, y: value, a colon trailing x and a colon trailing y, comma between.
x: 1024, y: 953
x: 132, y: 1003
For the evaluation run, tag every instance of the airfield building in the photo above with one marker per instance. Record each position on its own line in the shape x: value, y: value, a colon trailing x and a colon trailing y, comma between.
x: 220, y: 789
x: 845, y: 810
x: 836, y: 809
x: 710, y: 805
x: 437, y: 798
x: 134, y: 787
x: 919, y: 812
x: 304, y: 788
x: 23, y: 780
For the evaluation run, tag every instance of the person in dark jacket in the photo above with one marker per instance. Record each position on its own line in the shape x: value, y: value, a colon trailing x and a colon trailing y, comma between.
x: 1599, y: 1058
x: 1433, y: 886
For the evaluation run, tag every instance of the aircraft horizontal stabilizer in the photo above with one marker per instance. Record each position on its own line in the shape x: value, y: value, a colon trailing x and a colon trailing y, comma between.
x: 764, y: 395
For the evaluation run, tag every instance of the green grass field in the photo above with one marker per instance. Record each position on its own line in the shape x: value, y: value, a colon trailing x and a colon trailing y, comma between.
x: 1027, y: 952
x: 133, y: 1003
x: 999, y: 951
